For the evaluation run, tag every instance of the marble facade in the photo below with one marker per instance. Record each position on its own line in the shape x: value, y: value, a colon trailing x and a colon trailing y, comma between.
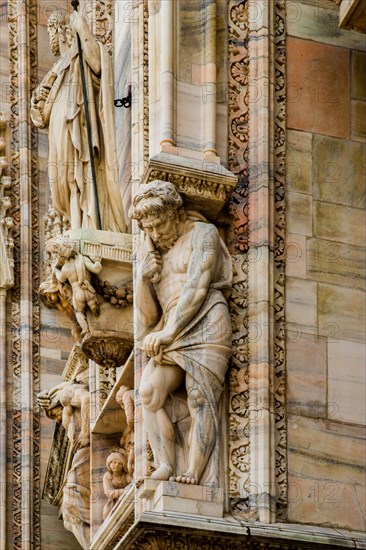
x: 254, y: 112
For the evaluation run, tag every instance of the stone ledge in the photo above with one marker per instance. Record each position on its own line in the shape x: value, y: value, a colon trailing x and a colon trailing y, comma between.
x: 232, y: 534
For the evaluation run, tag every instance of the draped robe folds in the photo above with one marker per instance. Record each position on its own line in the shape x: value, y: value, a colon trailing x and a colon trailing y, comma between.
x: 69, y: 167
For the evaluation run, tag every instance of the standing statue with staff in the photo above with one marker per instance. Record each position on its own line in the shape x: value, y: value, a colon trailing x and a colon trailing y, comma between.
x: 75, y: 103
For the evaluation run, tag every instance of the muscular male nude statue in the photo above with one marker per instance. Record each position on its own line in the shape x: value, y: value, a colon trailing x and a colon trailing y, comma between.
x: 181, y: 282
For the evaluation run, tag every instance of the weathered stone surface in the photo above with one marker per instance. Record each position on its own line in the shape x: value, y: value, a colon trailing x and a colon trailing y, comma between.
x: 296, y: 255
x: 346, y: 380
x: 337, y: 263
x: 339, y: 171
x: 358, y: 86
x: 299, y: 162
x: 306, y: 373
x: 339, y: 223
x: 326, y: 470
x: 341, y: 313
x: 359, y: 123
x: 315, y: 21
x: 318, y: 88
x: 299, y: 214
x: 301, y: 302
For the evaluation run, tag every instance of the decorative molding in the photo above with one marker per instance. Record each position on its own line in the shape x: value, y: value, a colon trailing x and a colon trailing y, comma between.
x: 279, y: 260
x: 58, y: 465
x: 104, y: 22
x: 239, y: 444
x: 117, y: 297
x: 243, y: 396
x: 25, y: 444
x: 145, y: 55
x: 76, y: 364
x: 206, y: 186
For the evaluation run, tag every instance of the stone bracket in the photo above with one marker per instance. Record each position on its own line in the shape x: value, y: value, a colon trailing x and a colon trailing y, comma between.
x: 206, y: 186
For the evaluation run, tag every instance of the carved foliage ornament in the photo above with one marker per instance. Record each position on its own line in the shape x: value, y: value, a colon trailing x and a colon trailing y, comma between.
x: 239, y: 458
x: 17, y: 56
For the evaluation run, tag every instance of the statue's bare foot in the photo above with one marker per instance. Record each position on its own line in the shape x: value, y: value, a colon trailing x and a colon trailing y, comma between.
x: 163, y: 473
x: 186, y: 478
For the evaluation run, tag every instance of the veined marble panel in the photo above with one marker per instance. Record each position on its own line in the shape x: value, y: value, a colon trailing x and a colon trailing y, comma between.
x: 319, y: 23
x: 341, y: 313
x: 336, y: 263
x: 326, y: 473
x: 347, y: 380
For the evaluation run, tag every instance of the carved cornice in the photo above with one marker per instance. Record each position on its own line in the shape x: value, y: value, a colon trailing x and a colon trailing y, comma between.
x: 154, y: 531
x: 117, y: 247
x: 205, y: 186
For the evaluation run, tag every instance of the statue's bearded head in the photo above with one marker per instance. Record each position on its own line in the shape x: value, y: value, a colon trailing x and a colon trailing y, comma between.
x: 158, y: 209
x: 59, y: 30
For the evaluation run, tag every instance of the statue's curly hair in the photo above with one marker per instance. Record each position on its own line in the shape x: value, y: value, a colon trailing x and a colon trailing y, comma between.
x: 158, y: 198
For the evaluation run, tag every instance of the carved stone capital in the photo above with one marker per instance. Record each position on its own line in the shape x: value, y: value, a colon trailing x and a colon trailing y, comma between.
x: 106, y: 349
x: 205, y: 186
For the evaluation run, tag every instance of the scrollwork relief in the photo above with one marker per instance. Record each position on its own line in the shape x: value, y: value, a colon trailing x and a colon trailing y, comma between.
x: 279, y: 258
x: 239, y: 457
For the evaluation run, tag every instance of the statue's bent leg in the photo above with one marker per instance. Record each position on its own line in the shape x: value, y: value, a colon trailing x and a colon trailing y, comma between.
x: 202, y: 433
x: 156, y: 383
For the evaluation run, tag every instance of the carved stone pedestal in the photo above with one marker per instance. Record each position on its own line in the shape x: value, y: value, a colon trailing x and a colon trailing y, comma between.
x: 169, y: 496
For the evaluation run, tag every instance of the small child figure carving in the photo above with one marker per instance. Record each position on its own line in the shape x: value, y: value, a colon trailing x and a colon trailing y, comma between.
x: 116, y: 479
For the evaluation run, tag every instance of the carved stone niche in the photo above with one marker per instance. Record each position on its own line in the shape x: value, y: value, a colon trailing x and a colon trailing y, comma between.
x: 206, y: 186
x: 113, y: 431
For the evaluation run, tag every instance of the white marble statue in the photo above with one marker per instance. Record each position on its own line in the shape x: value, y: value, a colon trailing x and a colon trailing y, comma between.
x: 57, y: 104
x: 75, y: 268
x: 180, y: 297
x: 69, y: 403
x: 116, y: 479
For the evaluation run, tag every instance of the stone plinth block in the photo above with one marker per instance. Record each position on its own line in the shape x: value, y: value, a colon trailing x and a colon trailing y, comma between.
x: 170, y: 496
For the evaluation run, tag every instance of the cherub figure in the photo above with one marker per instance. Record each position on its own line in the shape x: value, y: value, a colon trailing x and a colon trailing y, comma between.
x: 74, y: 268
x: 116, y: 479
